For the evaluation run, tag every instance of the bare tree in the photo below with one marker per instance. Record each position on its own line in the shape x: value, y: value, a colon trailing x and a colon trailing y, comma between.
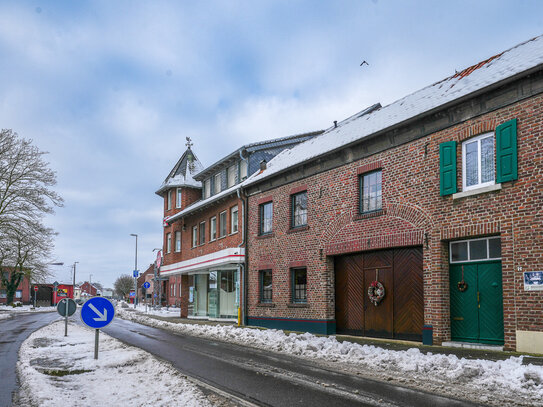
x: 123, y: 285
x: 26, y: 196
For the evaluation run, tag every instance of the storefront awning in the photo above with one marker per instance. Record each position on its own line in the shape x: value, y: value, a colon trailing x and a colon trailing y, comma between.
x: 231, y: 256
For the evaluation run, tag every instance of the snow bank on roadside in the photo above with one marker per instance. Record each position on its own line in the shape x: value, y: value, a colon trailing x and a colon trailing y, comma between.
x: 25, y: 308
x: 508, y: 378
x: 54, y: 369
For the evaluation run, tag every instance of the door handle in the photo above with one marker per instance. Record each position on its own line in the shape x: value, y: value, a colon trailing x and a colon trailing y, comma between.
x: 478, y: 300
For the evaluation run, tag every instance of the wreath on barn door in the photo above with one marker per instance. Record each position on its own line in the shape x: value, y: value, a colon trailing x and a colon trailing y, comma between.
x: 376, y: 290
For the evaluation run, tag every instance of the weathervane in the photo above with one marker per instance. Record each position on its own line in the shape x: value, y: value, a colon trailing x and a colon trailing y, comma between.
x: 189, y: 142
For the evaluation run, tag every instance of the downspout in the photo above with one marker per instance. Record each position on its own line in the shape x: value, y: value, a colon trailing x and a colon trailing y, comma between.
x: 245, y: 265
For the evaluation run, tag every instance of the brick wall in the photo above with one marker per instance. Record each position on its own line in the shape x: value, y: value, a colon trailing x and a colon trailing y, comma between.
x: 413, y: 213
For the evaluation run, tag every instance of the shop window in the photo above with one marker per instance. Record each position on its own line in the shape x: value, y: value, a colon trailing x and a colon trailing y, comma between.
x: 298, y: 210
x: 266, y: 218
x: 475, y: 250
x: 234, y: 219
x: 370, y: 191
x: 222, y: 223
x: 299, y: 285
x: 265, y: 286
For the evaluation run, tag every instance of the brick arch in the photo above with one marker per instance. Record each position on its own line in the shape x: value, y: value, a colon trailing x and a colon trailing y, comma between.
x: 414, y: 215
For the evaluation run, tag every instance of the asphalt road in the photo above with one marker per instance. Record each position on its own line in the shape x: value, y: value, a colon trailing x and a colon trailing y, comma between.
x: 13, y: 331
x: 265, y: 378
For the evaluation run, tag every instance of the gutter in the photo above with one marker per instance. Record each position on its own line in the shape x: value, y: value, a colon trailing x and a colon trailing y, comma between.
x: 245, y: 265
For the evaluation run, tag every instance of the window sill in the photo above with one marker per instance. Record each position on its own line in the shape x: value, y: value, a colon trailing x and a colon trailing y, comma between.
x: 265, y: 304
x: 233, y: 233
x: 298, y: 305
x: 368, y: 215
x: 298, y: 229
x: 478, y: 191
x: 266, y: 236
x: 221, y: 237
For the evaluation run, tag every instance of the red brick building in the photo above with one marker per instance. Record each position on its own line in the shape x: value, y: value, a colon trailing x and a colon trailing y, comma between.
x: 88, y: 290
x: 22, y: 294
x: 425, y: 211
x: 203, y: 228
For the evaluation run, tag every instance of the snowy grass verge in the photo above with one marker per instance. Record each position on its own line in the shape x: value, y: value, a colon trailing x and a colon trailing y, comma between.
x: 506, y: 382
x: 24, y: 308
x: 54, y: 369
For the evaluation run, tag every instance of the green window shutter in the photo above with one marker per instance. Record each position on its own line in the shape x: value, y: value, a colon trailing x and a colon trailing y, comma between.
x: 447, y: 168
x: 506, y: 151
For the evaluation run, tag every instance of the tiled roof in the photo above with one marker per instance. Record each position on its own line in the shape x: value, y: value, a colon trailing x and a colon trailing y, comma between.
x: 182, y: 174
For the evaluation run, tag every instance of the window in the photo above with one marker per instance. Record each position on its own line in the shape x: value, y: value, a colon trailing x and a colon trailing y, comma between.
x: 194, y: 236
x: 476, y: 250
x: 231, y: 176
x: 168, y: 242
x: 298, y: 213
x: 222, y: 222
x: 243, y: 169
x: 478, y: 162
x: 202, y: 232
x: 217, y: 183
x: 178, y: 198
x: 173, y: 285
x: 207, y: 188
x: 213, y: 228
x: 265, y: 286
x: 370, y: 191
x: 3, y: 293
x: 180, y: 289
x: 299, y: 285
x: 234, y: 219
x: 169, y: 199
x: 178, y: 241
x: 266, y: 218
x: 19, y: 294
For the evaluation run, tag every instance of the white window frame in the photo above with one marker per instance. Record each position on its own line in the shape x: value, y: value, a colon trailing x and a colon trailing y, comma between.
x: 479, y: 184
x: 231, y: 176
x: 488, y: 258
x: 223, y: 223
x: 217, y: 183
x: 213, y: 229
x: 195, y: 236
x: 178, y: 241
x: 168, y: 242
x: 234, y: 225
x: 169, y: 203
x: 207, y: 188
x: 243, y: 169
x: 202, y: 227
x: 178, y: 198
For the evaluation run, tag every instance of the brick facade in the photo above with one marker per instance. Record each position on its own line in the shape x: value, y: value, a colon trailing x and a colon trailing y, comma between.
x: 413, y: 214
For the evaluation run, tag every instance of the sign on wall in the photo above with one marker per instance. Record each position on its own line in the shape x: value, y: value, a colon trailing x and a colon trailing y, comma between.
x: 533, y: 281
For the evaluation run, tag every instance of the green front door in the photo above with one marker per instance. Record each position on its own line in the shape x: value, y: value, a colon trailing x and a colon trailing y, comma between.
x: 477, y: 310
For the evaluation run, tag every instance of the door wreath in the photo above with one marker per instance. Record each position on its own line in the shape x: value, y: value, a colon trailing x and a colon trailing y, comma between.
x: 376, y: 292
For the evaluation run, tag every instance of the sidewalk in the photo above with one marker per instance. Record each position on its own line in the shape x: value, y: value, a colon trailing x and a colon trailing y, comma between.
x: 389, y: 344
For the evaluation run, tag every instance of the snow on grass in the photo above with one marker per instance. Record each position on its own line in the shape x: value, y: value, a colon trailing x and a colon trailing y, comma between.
x: 54, y: 369
x: 168, y: 312
x: 504, y: 382
x: 24, y: 308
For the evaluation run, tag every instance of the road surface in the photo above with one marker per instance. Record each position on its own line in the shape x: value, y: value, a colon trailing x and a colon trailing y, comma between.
x: 13, y: 331
x: 265, y: 378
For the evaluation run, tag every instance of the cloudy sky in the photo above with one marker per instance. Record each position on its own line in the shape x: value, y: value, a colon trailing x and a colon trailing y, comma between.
x: 112, y: 88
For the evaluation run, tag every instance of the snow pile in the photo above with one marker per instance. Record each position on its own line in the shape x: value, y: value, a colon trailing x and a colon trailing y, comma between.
x: 5, y: 311
x: 483, y: 378
x: 169, y: 312
x: 54, y: 369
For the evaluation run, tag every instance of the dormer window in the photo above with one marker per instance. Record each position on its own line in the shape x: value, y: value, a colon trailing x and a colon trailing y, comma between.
x: 231, y: 175
x: 217, y: 183
x: 207, y: 188
x: 243, y: 170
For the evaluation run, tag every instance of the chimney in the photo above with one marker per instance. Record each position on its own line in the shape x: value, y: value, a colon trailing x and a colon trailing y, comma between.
x: 263, y: 165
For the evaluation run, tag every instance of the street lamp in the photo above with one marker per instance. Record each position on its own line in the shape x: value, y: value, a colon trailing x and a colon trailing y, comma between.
x: 90, y: 285
x: 135, y: 270
x: 73, y: 287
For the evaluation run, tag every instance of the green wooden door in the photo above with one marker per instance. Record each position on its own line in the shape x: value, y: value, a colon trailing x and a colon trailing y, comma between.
x: 477, y: 312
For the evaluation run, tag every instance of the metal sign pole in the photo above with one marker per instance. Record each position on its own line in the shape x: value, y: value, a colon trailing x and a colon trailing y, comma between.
x: 66, y: 318
x: 97, y: 333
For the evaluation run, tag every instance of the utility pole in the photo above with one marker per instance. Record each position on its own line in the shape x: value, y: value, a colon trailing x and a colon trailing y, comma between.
x: 135, y: 270
x: 73, y: 290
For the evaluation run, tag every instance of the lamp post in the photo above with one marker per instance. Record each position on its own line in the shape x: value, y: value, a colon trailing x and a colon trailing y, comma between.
x: 73, y: 287
x: 135, y: 270
x: 90, y: 285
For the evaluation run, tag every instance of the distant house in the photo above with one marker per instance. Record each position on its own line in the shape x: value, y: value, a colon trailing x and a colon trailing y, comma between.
x: 88, y: 290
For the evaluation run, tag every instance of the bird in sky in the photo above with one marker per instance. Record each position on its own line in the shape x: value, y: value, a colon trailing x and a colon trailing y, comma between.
x: 364, y: 62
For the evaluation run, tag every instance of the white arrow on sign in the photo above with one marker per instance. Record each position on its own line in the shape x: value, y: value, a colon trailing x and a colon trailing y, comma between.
x: 101, y: 317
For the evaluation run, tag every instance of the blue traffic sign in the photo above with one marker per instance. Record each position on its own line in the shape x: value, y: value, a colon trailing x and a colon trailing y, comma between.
x: 146, y: 285
x: 97, y: 312
x: 136, y: 273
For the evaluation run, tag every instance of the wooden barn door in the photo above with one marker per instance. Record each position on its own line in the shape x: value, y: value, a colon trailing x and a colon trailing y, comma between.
x: 378, y: 319
x: 349, y: 294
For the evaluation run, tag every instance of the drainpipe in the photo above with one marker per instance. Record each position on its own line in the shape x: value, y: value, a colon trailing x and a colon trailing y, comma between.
x: 245, y: 265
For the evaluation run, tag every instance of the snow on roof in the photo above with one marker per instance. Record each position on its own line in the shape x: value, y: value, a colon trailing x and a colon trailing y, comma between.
x: 183, y: 173
x: 517, y: 60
